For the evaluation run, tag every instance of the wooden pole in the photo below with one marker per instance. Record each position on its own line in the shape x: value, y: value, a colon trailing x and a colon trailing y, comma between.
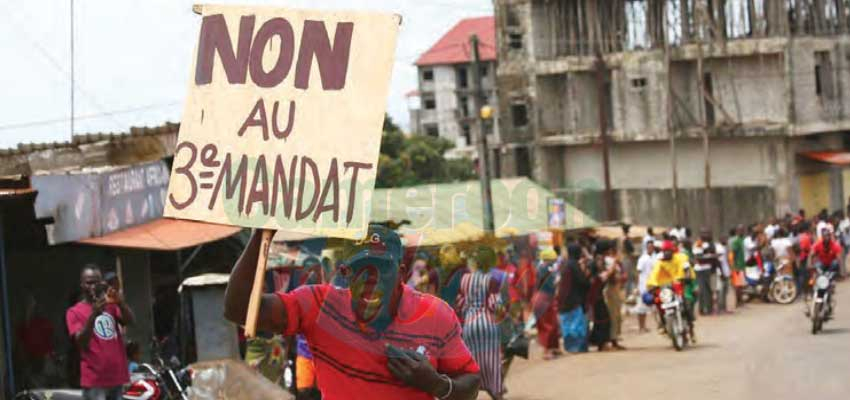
x: 120, y: 272
x: 257, y: 289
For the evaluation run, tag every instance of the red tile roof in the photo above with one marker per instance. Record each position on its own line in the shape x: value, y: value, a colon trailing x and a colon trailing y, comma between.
x: 454, y: 48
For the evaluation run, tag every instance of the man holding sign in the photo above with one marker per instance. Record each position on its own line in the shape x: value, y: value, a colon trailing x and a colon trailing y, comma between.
x: 379, y: 339
x: 281, y: 131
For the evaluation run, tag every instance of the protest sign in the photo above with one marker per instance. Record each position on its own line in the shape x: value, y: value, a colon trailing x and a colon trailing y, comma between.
x: 282, y: 126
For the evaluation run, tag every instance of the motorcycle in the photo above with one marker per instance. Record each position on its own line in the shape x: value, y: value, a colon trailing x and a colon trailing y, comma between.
x: 771, y: 284
x: 671, y: 304
x: 823, y: 288
x: 783, y: 289
x: 157, y: 381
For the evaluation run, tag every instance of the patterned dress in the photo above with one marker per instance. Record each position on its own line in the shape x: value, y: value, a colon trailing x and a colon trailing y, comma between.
x: 478, y: 295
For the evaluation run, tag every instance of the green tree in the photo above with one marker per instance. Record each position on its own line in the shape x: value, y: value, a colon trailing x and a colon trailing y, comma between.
x: 418, y: 159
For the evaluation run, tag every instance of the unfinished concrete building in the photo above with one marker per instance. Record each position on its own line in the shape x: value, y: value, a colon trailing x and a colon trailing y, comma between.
x: 444, y: 104
x: 709, y: 111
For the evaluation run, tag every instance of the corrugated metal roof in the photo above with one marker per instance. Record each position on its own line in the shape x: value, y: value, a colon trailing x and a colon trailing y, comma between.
x: 454, y: 47
x: 87, y: 138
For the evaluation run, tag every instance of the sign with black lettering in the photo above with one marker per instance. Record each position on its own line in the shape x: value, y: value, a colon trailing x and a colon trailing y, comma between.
x: 282, y: 126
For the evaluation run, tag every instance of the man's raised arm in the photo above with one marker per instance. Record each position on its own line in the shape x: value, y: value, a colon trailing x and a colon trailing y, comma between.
x: 272, y: 317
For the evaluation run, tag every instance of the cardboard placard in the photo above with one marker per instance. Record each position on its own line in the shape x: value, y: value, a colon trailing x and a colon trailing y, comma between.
x: 282, y: 126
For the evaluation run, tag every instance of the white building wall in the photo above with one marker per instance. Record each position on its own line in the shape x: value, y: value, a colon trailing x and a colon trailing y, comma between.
x: 445, y: 84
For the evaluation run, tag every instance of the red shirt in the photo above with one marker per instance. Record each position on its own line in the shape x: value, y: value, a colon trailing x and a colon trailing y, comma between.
x: 104, y: 363
x: 826, y: 255
x: 351, y: 362
x: 805, y: 245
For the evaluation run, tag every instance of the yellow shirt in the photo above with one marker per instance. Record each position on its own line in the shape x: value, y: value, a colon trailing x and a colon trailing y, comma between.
x: 686, y: 264
x: 665, y: 272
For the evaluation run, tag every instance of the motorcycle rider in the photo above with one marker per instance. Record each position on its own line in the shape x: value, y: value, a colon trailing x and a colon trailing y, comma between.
x: 824, y: 257
x: 670, y: 269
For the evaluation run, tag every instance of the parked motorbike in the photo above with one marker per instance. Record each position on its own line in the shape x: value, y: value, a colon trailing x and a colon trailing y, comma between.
x: 783, y: 289
x: 160, y: 380
x: 823, y: 289
x: 771, y: 284
x: 671, y: 304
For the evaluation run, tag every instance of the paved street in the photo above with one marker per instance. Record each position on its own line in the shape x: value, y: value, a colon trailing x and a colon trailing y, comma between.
x: 763, y: 351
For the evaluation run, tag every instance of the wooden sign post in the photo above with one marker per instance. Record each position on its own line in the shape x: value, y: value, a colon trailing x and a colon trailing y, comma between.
x: 282, y: 126
x: 259, y: 281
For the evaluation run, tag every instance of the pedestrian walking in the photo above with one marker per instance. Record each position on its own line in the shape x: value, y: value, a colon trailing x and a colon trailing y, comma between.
x: 545, y: 305
x: 725, y: 272
x: 644, y: 268
x: 705, y: 255
x: 739, y: 263
x: 600, y: 333
x: 614, y: 295
x: 479, y: 295
x: 572, y: 297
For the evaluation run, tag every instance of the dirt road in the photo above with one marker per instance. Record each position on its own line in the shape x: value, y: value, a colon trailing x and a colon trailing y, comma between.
x: 763, y: 351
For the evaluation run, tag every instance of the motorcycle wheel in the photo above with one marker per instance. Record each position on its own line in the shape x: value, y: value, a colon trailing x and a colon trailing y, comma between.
x: 674, y: 330
x: 784, y: 291
x: 816, y: 321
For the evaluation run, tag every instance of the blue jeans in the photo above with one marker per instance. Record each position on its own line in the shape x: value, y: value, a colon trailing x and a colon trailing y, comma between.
x: 833, y: 266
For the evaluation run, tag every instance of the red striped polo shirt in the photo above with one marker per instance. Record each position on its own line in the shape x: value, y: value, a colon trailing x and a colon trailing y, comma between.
x: 350, y: 360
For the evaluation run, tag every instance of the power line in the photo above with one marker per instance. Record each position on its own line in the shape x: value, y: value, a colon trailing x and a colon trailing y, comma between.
x: 35, y: 44
x: 86, y: 117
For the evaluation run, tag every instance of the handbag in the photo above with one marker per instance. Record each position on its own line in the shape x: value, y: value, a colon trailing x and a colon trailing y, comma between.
x: 518, y: 346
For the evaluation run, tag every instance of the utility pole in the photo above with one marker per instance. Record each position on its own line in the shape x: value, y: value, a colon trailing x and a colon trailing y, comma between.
x: 483, y: 152
x: 704, y: 97
x: 602, y: 104
x: 71, y: 138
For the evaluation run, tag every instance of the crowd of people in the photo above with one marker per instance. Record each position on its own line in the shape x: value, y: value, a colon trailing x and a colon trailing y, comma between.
x: 575, y: 297
x: 449, y: 322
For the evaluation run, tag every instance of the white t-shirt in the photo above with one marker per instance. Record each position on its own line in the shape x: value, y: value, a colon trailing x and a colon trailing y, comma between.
x: 724, y: 260
x: 749, y: 247
x: 824, y: 225
x: 770, y: 231
x: 780, y: 246
x: 699, y: 250
x: 844, y: 231
x: 644, y: 267
x: 646, y: 239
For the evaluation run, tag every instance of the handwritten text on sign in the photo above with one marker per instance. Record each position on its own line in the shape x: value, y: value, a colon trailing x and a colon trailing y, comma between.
x: 282, y: 127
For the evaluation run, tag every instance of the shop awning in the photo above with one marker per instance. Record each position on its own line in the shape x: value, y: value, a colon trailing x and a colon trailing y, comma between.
x: 164, y: 234
x: 830, y: 157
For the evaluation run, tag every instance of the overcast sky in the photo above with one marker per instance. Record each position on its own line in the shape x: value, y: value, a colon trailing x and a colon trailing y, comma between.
x: 133, y: 58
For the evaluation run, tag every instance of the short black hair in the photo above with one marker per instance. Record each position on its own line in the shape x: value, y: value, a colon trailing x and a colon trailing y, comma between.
x: 90, y: 267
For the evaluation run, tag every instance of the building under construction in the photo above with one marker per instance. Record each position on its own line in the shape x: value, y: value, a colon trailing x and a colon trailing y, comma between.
x: 678, y: 111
